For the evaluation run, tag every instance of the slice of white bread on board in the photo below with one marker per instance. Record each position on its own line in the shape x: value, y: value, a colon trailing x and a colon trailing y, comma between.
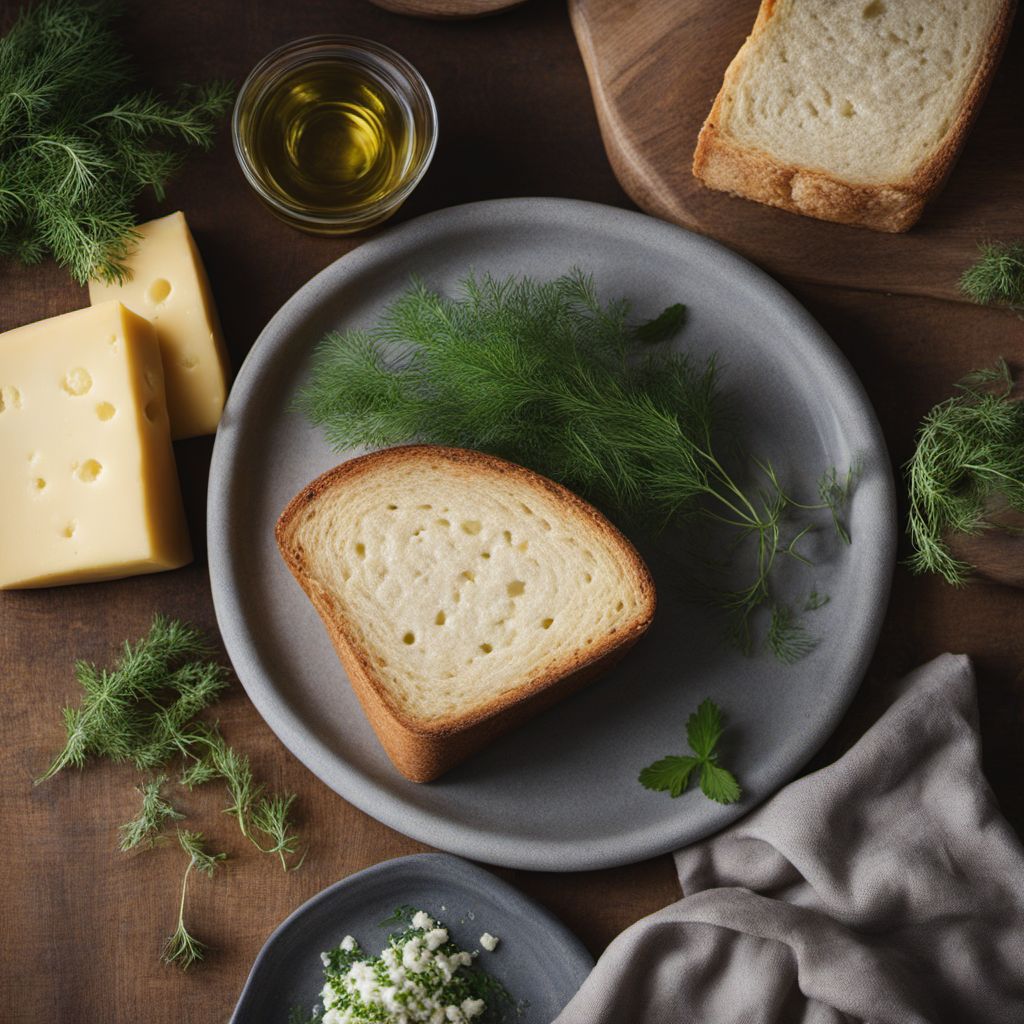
x: 852, y: 111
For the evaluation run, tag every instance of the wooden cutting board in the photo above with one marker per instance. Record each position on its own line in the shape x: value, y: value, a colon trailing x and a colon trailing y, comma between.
x: 655, y: 67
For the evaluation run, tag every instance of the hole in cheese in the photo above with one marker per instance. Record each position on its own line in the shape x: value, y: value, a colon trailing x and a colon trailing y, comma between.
x: 439, y: 620
x: 546, y: 623
x: 77, y: 381
x: 361, y: 549
x: 516, y: 588
x: 443, y: 522
x: 152, y: 410
x: 486, y: 648
x: 158, y: 291
x: 105, y: 411
x: 409, y: 639
x: 89, y: 471
x: 39, y: 483
x: 472, y: 526
x: 69, y: 530
x: 469, y: 575
x: 190, y: 361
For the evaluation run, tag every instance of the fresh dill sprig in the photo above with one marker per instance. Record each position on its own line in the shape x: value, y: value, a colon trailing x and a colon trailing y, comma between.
x: 145, y: 710
x: 183, y: 948
x: 672, y: 774
x: 547, y: 375
x: 115, y: 715
x: 154, y: 813
x: 271, y: 817
x: 997, y: 278
x: 78, y: 142
x: 969, y: 452
x: 787, y: 638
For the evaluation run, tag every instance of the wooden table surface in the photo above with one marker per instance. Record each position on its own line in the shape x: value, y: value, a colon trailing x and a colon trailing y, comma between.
x: 84, y: 923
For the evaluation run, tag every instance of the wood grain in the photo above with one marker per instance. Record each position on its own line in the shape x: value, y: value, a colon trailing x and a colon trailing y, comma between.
x: 655, y: 67
x: 443, y: 9
x: 84, y: 924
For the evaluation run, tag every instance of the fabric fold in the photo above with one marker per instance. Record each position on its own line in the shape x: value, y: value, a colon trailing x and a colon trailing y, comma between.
x: 885, y: 889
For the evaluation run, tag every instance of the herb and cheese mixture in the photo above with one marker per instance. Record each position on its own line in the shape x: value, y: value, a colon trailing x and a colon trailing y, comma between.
x: 422, y: 977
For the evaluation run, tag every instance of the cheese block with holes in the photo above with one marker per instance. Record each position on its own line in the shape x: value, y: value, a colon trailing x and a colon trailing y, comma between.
x: 90, y: 488
x: 462, y: 593
x: 168, y: 285
x: 852, y: 112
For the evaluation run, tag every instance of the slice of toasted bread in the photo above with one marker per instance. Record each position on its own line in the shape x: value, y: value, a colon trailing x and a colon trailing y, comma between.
x: 852, y: 112
x: 463, y: 594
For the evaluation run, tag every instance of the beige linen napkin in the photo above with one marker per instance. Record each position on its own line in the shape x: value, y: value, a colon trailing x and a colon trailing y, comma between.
x: 885, y: 889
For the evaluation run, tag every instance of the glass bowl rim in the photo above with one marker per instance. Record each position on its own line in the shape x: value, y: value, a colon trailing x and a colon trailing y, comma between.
x: 415, y: 90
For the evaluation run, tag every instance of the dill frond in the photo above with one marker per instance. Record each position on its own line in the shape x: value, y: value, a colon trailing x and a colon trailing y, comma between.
x: 547, y: 375
x: 183, y: 948
x: 997, y: 278
x: 78, y: 143
x: 969, y: 451
x: 155, y: 812
x: 271, y: 817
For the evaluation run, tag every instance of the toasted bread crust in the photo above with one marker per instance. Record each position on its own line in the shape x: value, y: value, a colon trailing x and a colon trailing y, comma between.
x: 422, y: 750
x: 723, y: 164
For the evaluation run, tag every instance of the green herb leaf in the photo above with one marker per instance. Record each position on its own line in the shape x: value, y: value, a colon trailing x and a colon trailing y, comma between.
x: 718, y: 784
x: 664, y: 326
x: 672, y: 774
x: 78, y: 143
x: 703, y: 729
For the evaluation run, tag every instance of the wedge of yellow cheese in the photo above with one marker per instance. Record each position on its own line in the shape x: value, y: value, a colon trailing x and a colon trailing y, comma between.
x: 90, y: 487
x: 169, y: 286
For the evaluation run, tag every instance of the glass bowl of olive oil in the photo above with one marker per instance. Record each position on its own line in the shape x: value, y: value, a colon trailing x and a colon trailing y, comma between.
x: 334, y: 132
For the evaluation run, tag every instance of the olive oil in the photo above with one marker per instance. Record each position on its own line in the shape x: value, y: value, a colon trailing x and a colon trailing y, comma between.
x: 334, y: 132
x: 331, y: 136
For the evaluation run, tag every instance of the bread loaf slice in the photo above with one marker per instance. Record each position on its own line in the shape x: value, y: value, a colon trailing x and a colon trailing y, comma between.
x: 851, y: 111
x: 462, y: 593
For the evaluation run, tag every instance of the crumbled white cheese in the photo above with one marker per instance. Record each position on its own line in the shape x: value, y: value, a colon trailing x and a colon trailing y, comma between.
x: 408, y: 981
x: 489, y: 942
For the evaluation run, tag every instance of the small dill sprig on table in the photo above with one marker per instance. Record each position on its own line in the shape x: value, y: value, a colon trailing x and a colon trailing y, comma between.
x: 145, y: 711
x: 969, y: 450
x: 183, y: 948
x: 997, y: 277
x: 153, y: 815
x: 79, y: 142
x: 547, y: 375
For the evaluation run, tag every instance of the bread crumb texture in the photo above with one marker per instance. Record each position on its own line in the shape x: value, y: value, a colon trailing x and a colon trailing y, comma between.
x: 864, y: 91
x: 460, y: 584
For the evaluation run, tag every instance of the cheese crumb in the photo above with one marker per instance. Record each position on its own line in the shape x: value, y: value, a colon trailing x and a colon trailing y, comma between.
x: 415, y: 980
x: 489, y: 942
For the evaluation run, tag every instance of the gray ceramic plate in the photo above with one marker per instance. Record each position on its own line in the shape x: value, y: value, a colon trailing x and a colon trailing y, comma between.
x: 539, y: 961
x: 561, y: 793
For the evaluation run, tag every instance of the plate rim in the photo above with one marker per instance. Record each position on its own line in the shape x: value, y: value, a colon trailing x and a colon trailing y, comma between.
x: 549, y: 853
x: 576, y: 956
